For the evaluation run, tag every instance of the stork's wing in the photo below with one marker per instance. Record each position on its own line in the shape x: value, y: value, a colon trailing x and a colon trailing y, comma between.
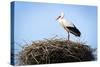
x: 74, y: 31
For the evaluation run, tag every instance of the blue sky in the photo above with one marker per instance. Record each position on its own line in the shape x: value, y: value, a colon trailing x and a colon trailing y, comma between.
x: 35, y: 21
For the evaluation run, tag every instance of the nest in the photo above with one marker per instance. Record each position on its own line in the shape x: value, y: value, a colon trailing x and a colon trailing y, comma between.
x: 55, y: 51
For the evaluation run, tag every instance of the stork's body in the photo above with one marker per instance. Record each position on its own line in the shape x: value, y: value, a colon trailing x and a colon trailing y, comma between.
x: 68, y: 26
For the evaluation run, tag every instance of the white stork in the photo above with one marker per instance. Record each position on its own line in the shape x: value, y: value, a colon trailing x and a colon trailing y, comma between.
x: 68, y: 26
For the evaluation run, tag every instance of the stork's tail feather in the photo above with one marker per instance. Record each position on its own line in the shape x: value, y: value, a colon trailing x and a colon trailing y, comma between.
x: 74, y: 31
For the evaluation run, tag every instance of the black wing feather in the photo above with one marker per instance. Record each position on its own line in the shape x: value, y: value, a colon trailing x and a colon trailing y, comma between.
x: 74, y: 31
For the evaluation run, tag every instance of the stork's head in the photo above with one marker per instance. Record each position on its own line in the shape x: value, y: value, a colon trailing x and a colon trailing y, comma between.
x: 61, y: 16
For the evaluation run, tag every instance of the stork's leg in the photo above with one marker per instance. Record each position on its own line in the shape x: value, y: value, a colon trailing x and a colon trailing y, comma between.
x: 68, y: 38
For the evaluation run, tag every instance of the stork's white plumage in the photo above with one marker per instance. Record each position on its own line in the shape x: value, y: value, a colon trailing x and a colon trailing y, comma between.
x: 68, y: 26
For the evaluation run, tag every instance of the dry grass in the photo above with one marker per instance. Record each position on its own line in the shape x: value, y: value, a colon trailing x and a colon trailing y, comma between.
x: 55, y: 51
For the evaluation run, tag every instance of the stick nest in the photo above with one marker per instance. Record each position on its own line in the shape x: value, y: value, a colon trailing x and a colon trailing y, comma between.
x: 54, y: 51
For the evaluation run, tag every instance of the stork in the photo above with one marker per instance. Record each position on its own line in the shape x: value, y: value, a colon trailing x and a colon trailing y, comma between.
x: 68, y: 26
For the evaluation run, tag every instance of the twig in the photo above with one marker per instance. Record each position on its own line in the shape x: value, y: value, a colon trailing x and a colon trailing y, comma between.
x: 35, y: 58
x: 74, y: 57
